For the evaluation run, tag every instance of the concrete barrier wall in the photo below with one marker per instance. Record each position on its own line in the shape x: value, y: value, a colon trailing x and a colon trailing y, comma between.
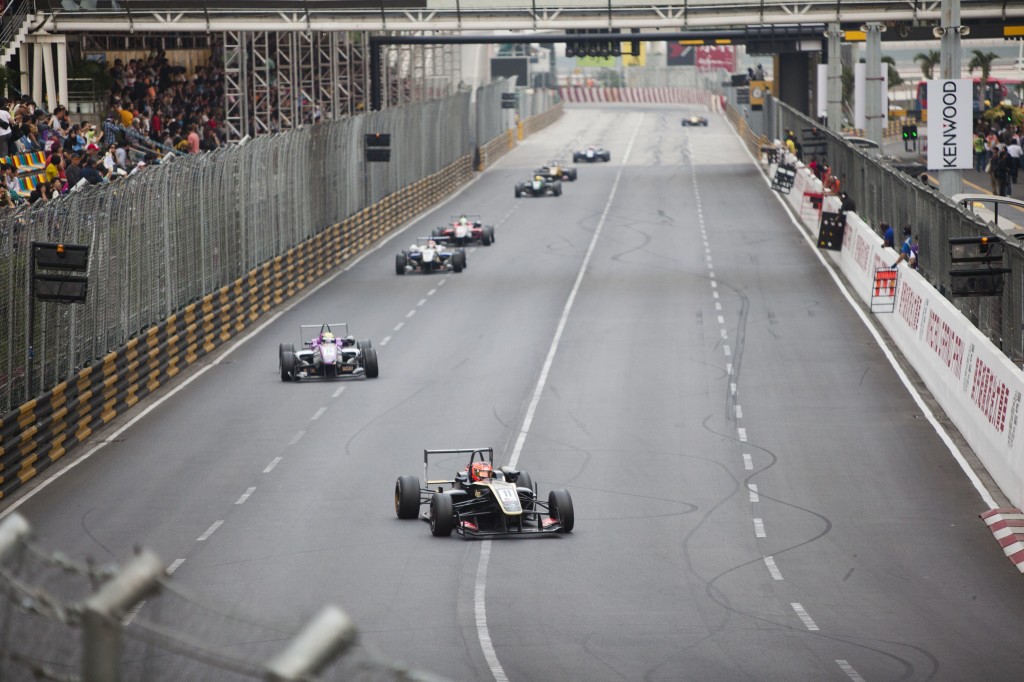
x: 977, y: 386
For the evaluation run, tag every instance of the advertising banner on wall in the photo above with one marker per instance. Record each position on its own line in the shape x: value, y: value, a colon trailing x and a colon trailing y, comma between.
x: 716, y: 57
x: 950, y: 107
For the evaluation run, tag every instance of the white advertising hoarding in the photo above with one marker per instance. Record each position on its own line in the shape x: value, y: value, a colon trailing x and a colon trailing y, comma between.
x: 950, y: 109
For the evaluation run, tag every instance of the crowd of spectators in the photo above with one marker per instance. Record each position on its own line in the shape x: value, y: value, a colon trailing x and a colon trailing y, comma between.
x: 154, y: 108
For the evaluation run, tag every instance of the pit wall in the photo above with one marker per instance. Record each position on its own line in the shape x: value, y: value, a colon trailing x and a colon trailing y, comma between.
x: 976, y: 385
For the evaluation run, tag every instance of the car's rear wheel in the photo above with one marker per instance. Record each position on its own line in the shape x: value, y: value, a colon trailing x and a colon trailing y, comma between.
x: 573, y: 174
x: 458, y: 261
x: 560, y: 508
x: 519, y: 192
x: 370, y: 363
x: 364, y: 344
x: 407, y: 497
x: 442, y: 515
x: 557, y: 190
x: 286, y: 361
x: 400, y: 263
x: 487, y: 236
x: 608, y: 157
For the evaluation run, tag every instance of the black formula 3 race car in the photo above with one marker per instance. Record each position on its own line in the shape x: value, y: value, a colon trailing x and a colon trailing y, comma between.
x: 539, y: 187
x: 482, y: 501
x: 695, y: 120
x: 327, y: 356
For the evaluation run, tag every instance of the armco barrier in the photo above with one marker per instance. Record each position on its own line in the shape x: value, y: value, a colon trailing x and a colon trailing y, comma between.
x: 42, y: 430
x: 976, y: 385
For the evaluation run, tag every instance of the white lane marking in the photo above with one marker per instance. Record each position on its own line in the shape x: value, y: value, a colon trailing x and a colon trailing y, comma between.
x: 338, y: 392
x: 802, y: 614
x: 480, y: 603
x: 728, y: 368
x: 721, y: 320
x: 398, y: 326
x: 754, y: 497
x: 848, y: 669
x: 727, y: 350
x: 718, y: 306
x: 273, y: 463
x: 245, y: 495
x: 724, y: 333
x: 759, y: 528
x: 296, y: 438
x: 732, y: 388
x: 175, y: 565
x: 442, y: 282
x: 319, y: 413
x: 748, y: 462
x: 384, y: 341
x: 715, y: 294
x: 986, y: 496
x: 773, y: 570
x: 410, y: 313
x: 741, y: 433
x: 422, y: 301
x: 134, y: 611
x: 739, y: 412
x: 714, y: 284
x: 480, y: 609
x: 210, y: 531
x: 429, y: 293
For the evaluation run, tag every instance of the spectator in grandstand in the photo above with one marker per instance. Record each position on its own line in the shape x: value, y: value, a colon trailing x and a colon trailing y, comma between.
x: 42, y: 192
x: 73, y: 173
x: 6, y: 129
x: 109, y: 130
x: 193, y: 139
x: 61, y: 122
x: 11, y: 183
x: 5, y: 198
x: 92, y: 174
x: 54, y: 167
x: 75, y: 141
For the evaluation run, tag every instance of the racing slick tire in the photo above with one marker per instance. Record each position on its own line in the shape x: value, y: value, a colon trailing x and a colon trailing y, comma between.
x: 286, y: 361
x: 519, y: 192
x: 407, y: 497
x: 400, y: 262
x: 607, y: 157
x: 524, y: 481
x: 573, y: 174
x: 437, y: 232
x: 576, y: 158
x: 364, y: 344
x: 557, y: 189
x: 370, y: 363
x: 458, y: 261
x: 560, y: 508
x: 487, y: 236
x: 442, y: 515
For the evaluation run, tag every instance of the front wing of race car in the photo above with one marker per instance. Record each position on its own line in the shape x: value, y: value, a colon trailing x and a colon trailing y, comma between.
x: 484, y: 516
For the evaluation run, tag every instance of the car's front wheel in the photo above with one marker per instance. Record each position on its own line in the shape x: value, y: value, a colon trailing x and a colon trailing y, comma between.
x: 407, y: 497
x: 370, y: 363
x: 442, y: 515
x: 560, y: 508
x: 286, y: 361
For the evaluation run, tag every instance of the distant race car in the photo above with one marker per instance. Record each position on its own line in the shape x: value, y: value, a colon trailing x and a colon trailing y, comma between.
x: 326, y: 356
x: 430, y: 255
x: 464, y: 230
x: 539, y: 187
x: 482, y: 501
x: 592, y: 153
x: 556, y: 170
x: 695, y: 120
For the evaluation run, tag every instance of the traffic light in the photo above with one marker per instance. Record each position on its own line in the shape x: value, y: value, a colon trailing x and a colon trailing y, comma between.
x: 906, y: 132
x: 913, y: 131
x: 634, y: 45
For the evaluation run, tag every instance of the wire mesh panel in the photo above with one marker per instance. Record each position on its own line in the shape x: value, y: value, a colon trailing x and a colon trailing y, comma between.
x: 884, y: 194
x: 168, y: 235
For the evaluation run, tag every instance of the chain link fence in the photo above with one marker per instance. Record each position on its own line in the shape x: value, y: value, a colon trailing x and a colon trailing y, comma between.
x: 883, y: 194
x: 164, y: 237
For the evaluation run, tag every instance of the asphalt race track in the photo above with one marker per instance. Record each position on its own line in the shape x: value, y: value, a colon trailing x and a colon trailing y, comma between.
x: 757, y: 495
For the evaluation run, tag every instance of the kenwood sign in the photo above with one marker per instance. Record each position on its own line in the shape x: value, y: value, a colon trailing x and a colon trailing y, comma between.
x: 950, y: 108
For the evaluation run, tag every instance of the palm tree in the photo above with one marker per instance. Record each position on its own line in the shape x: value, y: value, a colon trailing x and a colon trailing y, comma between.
x: 928, y: 61
x: 982, y: 60
x: 894, y: 76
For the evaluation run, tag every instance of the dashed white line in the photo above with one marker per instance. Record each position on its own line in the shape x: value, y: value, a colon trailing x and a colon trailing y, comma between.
x: 134, y: 611
x: 748, y: 462
x: 430, y: 293
x: 732, y: 388
x: 715, y: 294
x: 210, y: 531
x: 739, y: 412
x: 399, y: 326
x: 384, y: 341
x: 410, y: 313
x: 721, y: 320
x: 727, y: 350
x: 422, y: 301
x: 759, y: 528
x: 718, y: 306
x: 714, y: 284
x: 728, y: 368
x: 296, y: 438
x: 724, y: 333
x: 848, y: 669
x: 175, y: 565
x: 773, y: 570
x: 338, y: 392
x: 754, y: 497
x: 273, y: 463
x: 245, y: 495
x: 319, y: 413
x: 442, y: 282
x: 741, y: 433
x: 802, y: 614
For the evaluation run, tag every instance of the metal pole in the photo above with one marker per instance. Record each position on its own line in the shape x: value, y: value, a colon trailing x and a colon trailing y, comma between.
x: 873, y: 85
x: 950, y: 181
x: 30, y: 336
x: 834, y: 109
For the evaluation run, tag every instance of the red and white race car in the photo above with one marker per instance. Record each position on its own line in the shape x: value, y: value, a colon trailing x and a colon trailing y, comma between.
x: 465, y: 229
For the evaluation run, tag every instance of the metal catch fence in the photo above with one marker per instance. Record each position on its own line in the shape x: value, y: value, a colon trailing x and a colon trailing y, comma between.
x: 883, y: 194
x: 166, y: 236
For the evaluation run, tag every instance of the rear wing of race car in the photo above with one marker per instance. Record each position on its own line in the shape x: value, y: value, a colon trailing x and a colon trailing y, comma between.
x: 475, y: 454
x: 473, y: 218
x: 321, y: 328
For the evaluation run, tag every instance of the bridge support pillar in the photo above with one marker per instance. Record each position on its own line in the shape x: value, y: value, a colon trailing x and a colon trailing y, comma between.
x: 834, y: 104
x: 794, y: 78
x: 876, y: 104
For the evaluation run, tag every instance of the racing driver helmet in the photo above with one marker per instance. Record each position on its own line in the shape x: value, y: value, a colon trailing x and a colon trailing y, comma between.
x: 327, y: 337
x: 479, y: 471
